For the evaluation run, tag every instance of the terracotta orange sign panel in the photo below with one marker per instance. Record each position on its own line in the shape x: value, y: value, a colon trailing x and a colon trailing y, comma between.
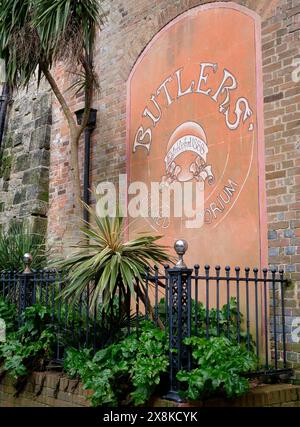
x: 194, y: 137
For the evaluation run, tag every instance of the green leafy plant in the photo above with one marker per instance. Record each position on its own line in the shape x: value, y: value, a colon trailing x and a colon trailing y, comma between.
x: 222, y: 323
x: 125, y: 372
x: 8, y: 313
x: 17, y: 241
x: 220, y: 365
x: 109, y: 261
x: 30, y: 346
x: 75, y: 360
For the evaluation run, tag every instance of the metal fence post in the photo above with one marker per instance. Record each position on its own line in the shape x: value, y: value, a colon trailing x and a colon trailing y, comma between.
x: 179, y: 304
x: 25, y: 285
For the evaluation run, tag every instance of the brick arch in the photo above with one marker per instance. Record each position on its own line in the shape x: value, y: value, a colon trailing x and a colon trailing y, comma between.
x: 138, y: 45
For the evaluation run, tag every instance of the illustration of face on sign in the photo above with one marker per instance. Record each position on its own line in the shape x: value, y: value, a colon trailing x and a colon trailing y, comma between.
x: 185, y: 161
x: 194, y: 134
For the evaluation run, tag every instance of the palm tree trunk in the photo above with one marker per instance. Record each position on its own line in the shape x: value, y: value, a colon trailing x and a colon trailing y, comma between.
x: 75, y: 133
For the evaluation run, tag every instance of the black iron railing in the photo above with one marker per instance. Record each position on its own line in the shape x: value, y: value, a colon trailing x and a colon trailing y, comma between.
x: 247, y: 306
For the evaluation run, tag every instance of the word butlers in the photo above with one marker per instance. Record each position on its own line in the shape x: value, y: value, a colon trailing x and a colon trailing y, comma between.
x: 165, y: 94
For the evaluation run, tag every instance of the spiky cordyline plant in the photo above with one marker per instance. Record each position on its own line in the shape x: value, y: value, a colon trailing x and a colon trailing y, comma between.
x: 109, y: 261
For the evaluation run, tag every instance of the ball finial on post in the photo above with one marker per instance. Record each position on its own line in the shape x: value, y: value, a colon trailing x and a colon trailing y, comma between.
x: 27, y: 259
x: 180, y: 247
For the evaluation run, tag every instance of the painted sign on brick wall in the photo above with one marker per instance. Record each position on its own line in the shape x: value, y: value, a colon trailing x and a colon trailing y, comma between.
x: 195, y: 139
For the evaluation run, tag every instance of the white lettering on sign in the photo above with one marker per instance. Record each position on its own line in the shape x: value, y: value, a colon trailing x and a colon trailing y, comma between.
x: 187, y: 142
x: 234, y: 115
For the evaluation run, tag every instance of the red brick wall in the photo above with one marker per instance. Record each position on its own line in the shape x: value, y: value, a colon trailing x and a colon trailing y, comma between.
x: 131, y: 24
x: 56, y: 390
x: 281, y: 45
x: 129, y: 28
x: 44, y: 389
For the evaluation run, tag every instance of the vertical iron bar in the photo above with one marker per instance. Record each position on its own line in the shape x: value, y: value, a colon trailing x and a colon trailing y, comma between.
x: 247, y: 270
x: 128, y: 301
x: 171, y: 311
x: 196, y: 297
x: 137, y: 307
x: 227, y: 270
x: 274, y: 316
x: 218, y: 268
x: 147, y: 293
x: 87, y: 332
x: 80, y: 320
x: 66, y: 315
x: 189, y: 319
x: 179, y: 320
x: 265, y: 272
x: 34, y: 288
x: 207, y: 267
x: 156, y: 295
x: 53, y: 299
x: 58, y: 316
x: 47, y: 290
x: 3, y: 283
x: 166, y: 267
x: 255, y: 270
x: 73, y: 322
x: 41, y: 280
x: 15, y: 288
x: 95, y: 328
x: 238, y: 320
x: 283, y: 317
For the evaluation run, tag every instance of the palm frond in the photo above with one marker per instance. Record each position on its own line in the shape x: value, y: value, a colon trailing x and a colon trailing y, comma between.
x: 109, y: 261
x: 35, y: 34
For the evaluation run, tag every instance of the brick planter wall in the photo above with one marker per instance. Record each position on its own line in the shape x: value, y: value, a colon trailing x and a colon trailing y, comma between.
x: 44, y: 389
x: 262, y: 396
x: 52, y: 389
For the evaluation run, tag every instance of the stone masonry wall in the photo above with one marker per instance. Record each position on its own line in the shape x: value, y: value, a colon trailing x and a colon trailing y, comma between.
x: 24, y: 164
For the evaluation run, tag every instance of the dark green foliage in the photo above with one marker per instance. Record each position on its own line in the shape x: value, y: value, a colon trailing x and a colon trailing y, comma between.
x: 30, y: 346
x: 76, y: 360
x: 128, y: 370
x: 220, y: 364
x: 223, y: 324
x: 124, y: 372
x: 35, y: 34
x: 8, y: 313
x: 17, y: 241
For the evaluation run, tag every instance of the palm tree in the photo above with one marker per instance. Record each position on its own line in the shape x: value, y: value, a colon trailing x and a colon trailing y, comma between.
x: 34, y: 35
